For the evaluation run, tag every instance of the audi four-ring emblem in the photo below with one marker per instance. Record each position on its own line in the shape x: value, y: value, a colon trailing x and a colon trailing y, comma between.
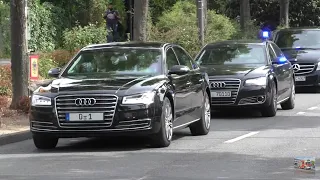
x: 85, y: 101
x: 296, y: 67
x: 218, y: 84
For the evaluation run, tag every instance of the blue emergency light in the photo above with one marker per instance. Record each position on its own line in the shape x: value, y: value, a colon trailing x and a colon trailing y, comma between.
x: 265, y: 34
x: 282, y: 59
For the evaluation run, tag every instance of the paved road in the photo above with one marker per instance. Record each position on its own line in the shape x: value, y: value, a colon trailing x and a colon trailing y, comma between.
x: 4, y: 61
x: 265, y: 152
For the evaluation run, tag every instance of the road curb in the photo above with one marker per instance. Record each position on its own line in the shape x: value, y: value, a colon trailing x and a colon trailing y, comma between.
x: 15, y: 137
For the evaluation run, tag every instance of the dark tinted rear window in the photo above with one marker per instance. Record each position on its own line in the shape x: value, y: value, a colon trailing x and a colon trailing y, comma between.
x: 233, y: 54
x: 298, y: 39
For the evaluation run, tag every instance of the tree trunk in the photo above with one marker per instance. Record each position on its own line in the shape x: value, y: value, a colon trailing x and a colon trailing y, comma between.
x: 140, y: 20
x: 245, y: 15
x: 284, y: 12
x: 19, y: 61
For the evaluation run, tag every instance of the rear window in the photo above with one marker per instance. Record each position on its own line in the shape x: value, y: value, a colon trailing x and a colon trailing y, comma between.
x: 298, y: 39
x: 232, y: 54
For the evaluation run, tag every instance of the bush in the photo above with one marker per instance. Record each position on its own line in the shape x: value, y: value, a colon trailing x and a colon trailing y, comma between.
x: 24, y: 104
x: 79, y: 37
x: 5, y: 81
x: 62, y: 57
x: 45, y: 64
x: 179, y: 25
x: 4, y: 30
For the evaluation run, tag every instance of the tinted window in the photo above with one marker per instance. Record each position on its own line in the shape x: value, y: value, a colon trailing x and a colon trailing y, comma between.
x: 301, y: 38
x: 171, y: 59
x: 232, y: 54
x: 272, y: 54
x: 96, y: 63
x: 277, y: 50
x: 183, y: 58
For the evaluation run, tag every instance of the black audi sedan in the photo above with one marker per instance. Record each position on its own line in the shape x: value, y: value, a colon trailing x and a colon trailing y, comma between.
x: 133, y: 88
x: 301, y: 46
x: 248, y: 74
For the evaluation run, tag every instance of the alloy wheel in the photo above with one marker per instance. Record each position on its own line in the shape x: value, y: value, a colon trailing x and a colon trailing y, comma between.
x: 168, y: 120
x: 207, y: 112
x: 275, y: 98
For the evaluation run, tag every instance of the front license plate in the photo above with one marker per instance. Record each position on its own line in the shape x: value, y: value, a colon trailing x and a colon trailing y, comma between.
x: 221, y: 94
x: 84, y: 117
x: 300, y: 78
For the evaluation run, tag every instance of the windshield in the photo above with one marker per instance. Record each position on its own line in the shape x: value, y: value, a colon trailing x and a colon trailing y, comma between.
x: 232, y: 54
x: 298, y: 39
x: 116, y: 61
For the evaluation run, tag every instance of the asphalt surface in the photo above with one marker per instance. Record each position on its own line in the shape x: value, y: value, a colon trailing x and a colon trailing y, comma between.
x: 241, y: 145
x: 4, y: 61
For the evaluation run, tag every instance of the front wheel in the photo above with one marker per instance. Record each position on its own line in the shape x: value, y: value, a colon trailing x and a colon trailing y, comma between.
x: 289, y: 104
x: 164, y: 136
x: 202, y: 127
x: 45, y: 142
x: 271, y: 110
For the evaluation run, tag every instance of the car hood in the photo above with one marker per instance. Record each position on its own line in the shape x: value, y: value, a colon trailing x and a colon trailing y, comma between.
x: 304, y: 55
x: 114, y: 85
x: 235, y: 71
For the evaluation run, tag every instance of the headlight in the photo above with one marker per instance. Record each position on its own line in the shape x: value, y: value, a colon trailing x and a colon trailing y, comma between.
x: 318, y: 68
x: 145, y: 98
x: 40, y: 101
x: 261, y: 81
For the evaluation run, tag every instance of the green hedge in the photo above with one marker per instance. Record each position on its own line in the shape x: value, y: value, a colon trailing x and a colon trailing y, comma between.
x: 179, y: 25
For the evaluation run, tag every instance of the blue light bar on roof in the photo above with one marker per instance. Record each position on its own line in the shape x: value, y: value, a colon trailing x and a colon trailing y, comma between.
x: 265, y: 34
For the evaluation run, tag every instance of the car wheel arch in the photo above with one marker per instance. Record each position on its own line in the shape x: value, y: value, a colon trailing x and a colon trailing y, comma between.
x: 275, y: 80
x: 169, y: 95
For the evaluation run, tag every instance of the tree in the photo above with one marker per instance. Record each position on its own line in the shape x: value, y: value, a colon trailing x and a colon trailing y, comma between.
x: 244, y: 14
x: 284, y: 12
x: 140, y: 20
x: 19, y: 63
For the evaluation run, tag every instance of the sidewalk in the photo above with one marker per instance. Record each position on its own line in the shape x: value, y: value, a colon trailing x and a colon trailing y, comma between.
x: 14, y: 124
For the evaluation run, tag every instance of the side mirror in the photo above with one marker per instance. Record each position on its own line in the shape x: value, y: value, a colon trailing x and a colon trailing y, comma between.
x: 179, y: 70
x: 54, y: 72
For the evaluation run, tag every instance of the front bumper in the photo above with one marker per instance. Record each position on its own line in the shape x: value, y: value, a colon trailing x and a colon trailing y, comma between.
x: 245, y: 97
x: 311, y: 80
x: 127, y: 121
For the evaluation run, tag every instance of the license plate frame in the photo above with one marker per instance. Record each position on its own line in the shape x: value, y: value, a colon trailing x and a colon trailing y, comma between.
x: 300, y: 78
x: 84, y: 117
x: 221, y: 94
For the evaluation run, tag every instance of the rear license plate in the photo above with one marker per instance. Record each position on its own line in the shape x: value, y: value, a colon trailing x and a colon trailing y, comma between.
x: 84, y: 117
x: 300, y: 78
x: 221, y: 94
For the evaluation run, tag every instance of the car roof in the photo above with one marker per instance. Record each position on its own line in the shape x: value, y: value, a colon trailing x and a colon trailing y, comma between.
x: 231, y: 42
x: 300, y: 29
x: 127, y: 44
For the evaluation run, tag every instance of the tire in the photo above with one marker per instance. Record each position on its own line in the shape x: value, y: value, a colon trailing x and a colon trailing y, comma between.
x: 202, y: 127
x: 290, y: 103
x: 164, y: 136
x: 45, y: 142
x: 271, y: 110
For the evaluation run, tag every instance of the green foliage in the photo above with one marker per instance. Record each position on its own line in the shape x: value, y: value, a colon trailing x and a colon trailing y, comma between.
x: 4, y: 30
x: 179, y: 26
x: 45, y: 22
x: 5, y: 81
x: 157, y: 7
x: 301, y: 13
x: 45, y: 64
x: 79, y: 37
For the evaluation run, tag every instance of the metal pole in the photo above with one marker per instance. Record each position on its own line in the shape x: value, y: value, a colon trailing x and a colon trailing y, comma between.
x: 200, y: 21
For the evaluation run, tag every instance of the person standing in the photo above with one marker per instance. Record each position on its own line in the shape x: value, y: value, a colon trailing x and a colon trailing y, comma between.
x: 112, y: 18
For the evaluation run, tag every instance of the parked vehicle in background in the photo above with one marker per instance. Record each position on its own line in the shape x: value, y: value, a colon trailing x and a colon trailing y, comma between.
x: 248, y: 74
x: 133, y: 88
x: 301, y: 46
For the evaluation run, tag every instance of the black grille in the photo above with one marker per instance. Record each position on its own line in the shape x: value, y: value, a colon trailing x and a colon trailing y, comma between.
x: 105, y: 104
x: 232, y: 85
x: 142, y: 123
x: 305, y: 68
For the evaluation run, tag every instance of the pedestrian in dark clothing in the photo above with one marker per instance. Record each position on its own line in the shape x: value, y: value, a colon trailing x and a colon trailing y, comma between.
x: 112, y: 18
